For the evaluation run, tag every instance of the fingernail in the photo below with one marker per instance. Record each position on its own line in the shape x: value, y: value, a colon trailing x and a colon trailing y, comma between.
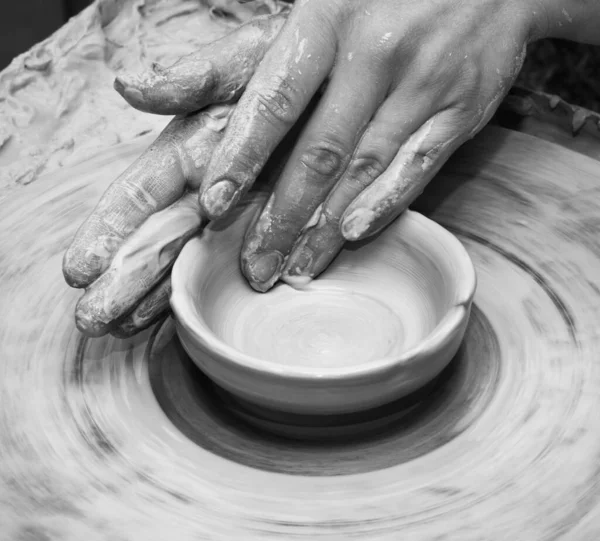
x: 125, y: 81
x: 300, y: 262
x: 133, y: 95
x: 218, y: 199
x: 87, y: 322
x: 125, y: 87
x: 357, y: 223
x: 124, y: 330
x: 131, y: 325
x: 262, y: 270
x: 119, y: 85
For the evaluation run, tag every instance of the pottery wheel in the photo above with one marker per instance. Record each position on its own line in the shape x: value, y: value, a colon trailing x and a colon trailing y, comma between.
x: 111, y: 439
x: 125, y: 440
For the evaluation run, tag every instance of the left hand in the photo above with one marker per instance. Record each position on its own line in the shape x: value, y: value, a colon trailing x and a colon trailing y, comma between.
x: 405, y: 84
x: 122, y: 254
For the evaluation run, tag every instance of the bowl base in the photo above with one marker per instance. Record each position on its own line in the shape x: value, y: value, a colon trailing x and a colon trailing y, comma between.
x: 337, y: 427
x: 229, y: 426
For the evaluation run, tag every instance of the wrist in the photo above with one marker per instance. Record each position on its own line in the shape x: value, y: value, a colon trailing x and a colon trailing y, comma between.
x: 574, y: 20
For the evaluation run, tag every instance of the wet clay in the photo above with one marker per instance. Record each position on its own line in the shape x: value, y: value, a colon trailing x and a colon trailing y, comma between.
x: 142, y: 261
x: 344, y: 319
x: 508, y: 449
x: 89, y: 449
x: 57, y: 101
x: 383, y: 320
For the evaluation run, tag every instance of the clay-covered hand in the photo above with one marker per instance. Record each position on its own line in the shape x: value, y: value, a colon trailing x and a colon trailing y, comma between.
x: 403, y: 84
x: 216, y: 73
x: 123, y: 253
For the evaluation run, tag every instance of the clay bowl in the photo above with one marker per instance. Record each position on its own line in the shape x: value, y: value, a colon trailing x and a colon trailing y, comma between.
x: 385, y: 318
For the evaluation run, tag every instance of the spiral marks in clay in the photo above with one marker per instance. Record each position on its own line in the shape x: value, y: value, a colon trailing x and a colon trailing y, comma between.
x: 539, y: 279
x: 509, y: 450
x: 387, y: 436
x: 321, y: 327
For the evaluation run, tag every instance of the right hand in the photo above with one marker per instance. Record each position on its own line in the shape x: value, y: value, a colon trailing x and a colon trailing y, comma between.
x: 123, y: 253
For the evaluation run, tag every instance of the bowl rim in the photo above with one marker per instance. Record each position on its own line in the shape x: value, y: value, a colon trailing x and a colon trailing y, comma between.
x: 188, y: 317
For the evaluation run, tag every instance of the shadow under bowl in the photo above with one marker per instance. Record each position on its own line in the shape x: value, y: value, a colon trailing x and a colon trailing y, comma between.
x: 385, y: 318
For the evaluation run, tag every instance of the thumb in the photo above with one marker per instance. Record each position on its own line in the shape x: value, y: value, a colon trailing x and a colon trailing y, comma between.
x: 216, y: 73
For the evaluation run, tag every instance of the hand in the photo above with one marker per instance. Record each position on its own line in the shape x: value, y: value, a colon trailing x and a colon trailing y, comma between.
x: 216, y: 73
x: 124, y: 251
x: 405, y: 83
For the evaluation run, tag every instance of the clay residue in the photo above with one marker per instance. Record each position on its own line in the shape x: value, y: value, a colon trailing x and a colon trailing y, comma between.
x: 215, y: 73
x: 142, y: 261
x: 395, y: 186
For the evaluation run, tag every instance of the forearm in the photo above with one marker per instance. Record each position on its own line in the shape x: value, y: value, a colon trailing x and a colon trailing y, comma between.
x: 575, y: 20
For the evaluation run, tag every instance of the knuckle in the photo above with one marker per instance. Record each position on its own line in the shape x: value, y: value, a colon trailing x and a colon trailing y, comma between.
x: 137, y: 196
x: 365, y: 169
x: 382, y: 38
x: 276, y: 103
x: 471, y: 74
x: 325, y: 160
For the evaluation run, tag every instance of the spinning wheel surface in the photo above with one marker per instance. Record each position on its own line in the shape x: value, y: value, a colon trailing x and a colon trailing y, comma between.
x: 123, y: 440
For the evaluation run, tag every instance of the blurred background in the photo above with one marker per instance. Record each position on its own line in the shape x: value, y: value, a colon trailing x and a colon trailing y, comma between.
x: 25, y: 22
x: 569, y: 70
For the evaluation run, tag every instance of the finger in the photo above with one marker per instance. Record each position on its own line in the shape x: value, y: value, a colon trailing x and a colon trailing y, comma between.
x: 293, y: 69
x: 234, y: 12
x: 152, y: 307
x: 142, y: 261
x: 416, y: 163
x: 321, y: 239
x: 216, y: 73
x: 317, y: 162
x: 153, y: 182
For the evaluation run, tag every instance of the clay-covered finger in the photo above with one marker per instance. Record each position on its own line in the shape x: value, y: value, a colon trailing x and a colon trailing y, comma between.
x: 218, y: 72
x: 321, y: 239
x: 151, y: 308
x: 318, y: 161
x: 141, y: 262
x: 289, y: 76
x: 415, y: 164
x: 153, y: 182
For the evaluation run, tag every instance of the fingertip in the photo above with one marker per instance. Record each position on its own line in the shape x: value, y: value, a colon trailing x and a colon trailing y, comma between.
x: 86, y: 321
x: 300, y: 264
x: 129, y: 89
x: 135, y: 97
x: 74, y: 276
x: 219, y: 198
x: 263, y: 269
x: 299, y: 269
x: 119, y: 86
x: 357, y: 223
x: 187, y: 86
x: 313, y: 252
x: 127, y: 86
x: 74, y: 279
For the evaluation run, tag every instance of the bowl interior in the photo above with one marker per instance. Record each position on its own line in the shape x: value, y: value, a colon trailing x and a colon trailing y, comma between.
x: 378, y: 300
